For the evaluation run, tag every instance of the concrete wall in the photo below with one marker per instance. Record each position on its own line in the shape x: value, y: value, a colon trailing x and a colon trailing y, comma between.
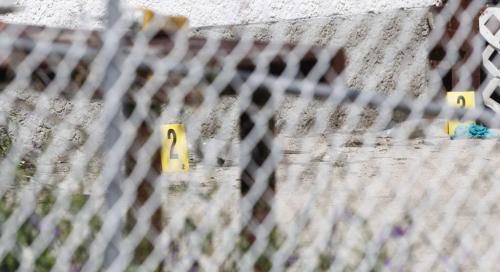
x: 59, y: 13
x: 224, y: 12
x: 378, y: 59
x: 386, y: 52
x: 90, y: 13
x: 381, y: 48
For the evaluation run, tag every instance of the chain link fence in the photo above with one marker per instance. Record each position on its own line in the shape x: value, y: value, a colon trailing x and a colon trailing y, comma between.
x: 313, y: 144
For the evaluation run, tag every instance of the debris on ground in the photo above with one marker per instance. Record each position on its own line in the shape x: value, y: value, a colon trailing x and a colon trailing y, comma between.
x: 474, y: 131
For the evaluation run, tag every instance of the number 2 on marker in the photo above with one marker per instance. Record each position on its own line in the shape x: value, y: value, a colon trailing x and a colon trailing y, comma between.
x: 174, y: 153
x: 172, y: 136
x: 464, y: 100
x: 461, y: 101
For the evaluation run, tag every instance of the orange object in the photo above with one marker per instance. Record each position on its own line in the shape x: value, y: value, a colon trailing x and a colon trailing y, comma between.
x: 172, y: 23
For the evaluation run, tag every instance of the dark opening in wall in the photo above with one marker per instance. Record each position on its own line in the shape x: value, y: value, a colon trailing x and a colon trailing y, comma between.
x: 496, y: 95
x: 450, y: 71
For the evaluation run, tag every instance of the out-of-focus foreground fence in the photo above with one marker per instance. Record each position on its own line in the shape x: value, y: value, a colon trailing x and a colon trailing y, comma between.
x: 303, y: 155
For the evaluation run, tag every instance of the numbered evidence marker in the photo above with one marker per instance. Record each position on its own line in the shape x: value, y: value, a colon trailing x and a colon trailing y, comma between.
x: 174, y: 153
x: 464, y: 100
x: 171, y: 23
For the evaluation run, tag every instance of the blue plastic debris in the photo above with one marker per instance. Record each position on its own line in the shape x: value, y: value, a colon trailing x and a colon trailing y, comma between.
x: 473, y: 132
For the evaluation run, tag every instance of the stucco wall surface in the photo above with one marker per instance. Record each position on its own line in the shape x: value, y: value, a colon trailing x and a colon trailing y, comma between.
x: 90, y: 13
x: 379, y: 59
x: 223, y: 12
x: 385, y: 52
x: 380, y: 47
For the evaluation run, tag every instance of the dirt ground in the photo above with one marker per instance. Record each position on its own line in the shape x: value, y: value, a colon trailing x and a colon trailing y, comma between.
x: 339, y: 194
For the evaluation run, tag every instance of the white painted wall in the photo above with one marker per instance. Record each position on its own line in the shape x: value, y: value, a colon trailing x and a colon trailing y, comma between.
x: 89, y: 13
x: 58, y: 13
x: 222, y: 12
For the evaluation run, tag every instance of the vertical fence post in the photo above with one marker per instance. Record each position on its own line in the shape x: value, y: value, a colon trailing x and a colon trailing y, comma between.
x: 114, y: 192
x: 257, y: 157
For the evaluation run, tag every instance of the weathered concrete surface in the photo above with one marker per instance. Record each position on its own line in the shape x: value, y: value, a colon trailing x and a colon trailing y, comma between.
x: 386, y: 53
x: 91, y: 13
x: 210, y: 13
x: 367, y: 38
x: 41, y: 128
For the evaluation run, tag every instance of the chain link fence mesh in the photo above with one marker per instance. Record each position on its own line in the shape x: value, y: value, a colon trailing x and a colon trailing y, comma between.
x: 314, y: 144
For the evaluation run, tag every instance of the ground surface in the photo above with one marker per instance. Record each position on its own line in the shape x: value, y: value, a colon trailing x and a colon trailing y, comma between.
x: 442, y: 193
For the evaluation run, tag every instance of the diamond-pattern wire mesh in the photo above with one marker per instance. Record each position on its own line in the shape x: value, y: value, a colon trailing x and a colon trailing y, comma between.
x: 290, y: 167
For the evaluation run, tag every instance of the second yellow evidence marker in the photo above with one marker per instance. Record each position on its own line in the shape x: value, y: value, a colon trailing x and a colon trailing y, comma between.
x: 464, y: 100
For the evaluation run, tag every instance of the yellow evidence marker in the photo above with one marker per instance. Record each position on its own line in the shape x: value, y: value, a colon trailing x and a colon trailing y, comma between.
x: 174, y: 152
x: 171, y: 23
x: 466, y: 100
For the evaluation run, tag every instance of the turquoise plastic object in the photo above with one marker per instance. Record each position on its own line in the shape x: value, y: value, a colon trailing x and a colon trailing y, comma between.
x: 473, y: 132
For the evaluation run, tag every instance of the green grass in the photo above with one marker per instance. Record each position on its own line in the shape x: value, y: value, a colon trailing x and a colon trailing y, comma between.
x: 30, y: 230
x: 5, y: 142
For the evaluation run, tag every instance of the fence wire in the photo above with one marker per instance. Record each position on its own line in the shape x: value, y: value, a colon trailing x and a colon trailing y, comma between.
x: 313, y: 144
